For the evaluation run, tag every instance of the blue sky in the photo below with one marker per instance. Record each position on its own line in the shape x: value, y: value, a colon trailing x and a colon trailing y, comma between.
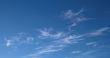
x: 54, y: 29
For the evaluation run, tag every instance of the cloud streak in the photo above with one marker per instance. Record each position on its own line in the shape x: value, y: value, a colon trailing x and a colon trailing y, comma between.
x: 87, y: 54
x: 99, y: 31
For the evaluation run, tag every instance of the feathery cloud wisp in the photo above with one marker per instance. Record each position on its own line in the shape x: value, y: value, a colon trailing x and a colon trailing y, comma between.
x: 99, y: 32
x: 76, y: 52
x: 18, y: 40
x: 75, y: 17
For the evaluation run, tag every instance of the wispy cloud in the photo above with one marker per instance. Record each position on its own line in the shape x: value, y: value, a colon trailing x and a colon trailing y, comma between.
x: 75, y: 17
x: 50, y: 49
x: 70, y: 39
x: 45, y: 32
x: 59, y: 39
x: 45, y: 50
x: 70, y: 14
x: 63, y: 40
x: 87, y: 54
x: 17, y: 40
x: 99, y: 31
x: 92, y: 44
x: 76, y: 52
x: 59, y: 42
x: 48, y: 33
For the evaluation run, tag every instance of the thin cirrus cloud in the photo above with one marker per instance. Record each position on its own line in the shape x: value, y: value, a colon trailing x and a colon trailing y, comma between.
x: 59, y: 39
x: 63, y: 39
x: 60, y: 43
x: 18, y: 40
x: 46, y: 50
x: 76, y: 52
x: 100, y: 31
x: 92, y: 44
x: 76, y: 38
x: 48, y: 33
x: 57, y: 44
x: 86, y: 54
x: 69, y: 14
x: 75, y: 17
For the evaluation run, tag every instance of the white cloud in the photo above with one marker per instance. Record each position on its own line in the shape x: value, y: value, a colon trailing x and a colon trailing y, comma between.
x: 70, y: 14
x: 70, y: 39
x: 45, y: 33
x: 48, y: 33
x: 99, y: 32
x: 92, y: 44
x: 57, y: 45
x: 61, y: 39
x: 45, y: 50
x: 75, y: 17
x: 29, y: 40
x: 76, y: 52
x: 18, y: 40
x: 87, y: 54
x: 8, y: 43
x: 50, y: 49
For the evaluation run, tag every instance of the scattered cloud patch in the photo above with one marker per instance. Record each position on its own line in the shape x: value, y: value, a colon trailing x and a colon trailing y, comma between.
x: 18, y: 40
x: 70, y: 14
x: 8, y: 43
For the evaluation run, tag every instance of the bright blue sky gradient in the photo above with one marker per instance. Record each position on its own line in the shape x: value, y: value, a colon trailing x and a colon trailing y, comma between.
x: 54, y: 29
